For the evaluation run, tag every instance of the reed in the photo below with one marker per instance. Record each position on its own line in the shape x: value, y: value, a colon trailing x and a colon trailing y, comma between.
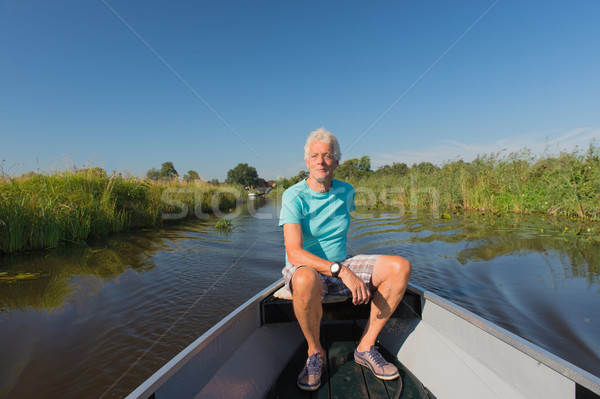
x: 39, y: 211
x: 567, y: 184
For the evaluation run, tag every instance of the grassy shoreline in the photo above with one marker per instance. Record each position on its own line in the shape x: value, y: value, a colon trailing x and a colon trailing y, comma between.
x: 41, y: 211
x: 564, y: 185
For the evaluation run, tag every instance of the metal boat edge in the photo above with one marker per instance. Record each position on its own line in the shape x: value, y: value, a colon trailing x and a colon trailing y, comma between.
x: 445, y: 341
x: 536, y: 352
x: 243, y: 321
x: 450, y: 345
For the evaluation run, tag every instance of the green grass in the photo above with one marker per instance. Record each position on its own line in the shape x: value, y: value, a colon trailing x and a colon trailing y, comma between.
x: 39, y: 211
x: 564, y: 185
x: 567, y: 184
x: 224, y: 225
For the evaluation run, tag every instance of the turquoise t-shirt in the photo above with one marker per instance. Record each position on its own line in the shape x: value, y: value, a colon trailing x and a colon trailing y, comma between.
x: 324, y: 217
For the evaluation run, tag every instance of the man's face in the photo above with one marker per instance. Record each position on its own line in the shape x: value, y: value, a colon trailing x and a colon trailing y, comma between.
x: 320, y: 161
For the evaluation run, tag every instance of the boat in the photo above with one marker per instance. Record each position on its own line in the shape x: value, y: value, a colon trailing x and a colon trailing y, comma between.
x: 260, y: 191
x: 442, y: 350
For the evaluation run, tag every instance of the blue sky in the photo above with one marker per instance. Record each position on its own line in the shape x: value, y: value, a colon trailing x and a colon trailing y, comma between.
x: 128, y: 85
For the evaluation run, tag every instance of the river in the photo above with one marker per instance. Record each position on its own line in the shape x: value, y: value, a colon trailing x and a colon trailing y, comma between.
x: 94, y: 321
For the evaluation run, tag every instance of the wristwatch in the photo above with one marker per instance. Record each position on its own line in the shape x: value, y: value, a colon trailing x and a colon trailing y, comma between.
x: 335, y: 268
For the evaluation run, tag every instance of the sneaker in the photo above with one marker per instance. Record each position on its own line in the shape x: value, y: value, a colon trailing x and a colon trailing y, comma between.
x: 310, y: 377
x: 378, y: 365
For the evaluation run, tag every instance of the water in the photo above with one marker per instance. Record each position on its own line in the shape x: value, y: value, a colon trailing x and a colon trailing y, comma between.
x: 96, y: 321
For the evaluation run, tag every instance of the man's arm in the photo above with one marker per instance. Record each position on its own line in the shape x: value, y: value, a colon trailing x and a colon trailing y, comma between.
x: 292, y: 233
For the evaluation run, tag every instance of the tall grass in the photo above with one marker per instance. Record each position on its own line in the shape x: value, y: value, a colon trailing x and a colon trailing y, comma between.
x: 40, y: 211
x: 567, y: 184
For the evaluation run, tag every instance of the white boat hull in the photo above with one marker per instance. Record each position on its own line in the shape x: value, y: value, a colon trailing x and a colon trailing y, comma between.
x: 453, y: 352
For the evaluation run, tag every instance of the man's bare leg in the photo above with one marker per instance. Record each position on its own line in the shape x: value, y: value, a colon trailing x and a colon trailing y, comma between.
x: 390, y: 277
x: 306, y: 298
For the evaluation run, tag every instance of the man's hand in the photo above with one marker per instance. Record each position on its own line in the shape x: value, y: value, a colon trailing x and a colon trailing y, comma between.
x: 360, y: 290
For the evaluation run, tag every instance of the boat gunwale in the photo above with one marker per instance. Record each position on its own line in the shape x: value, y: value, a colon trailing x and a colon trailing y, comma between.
x: 149, y: 386
x: 554, y: 362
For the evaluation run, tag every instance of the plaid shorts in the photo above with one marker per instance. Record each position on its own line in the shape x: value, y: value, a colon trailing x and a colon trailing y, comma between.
x: 361, y: 265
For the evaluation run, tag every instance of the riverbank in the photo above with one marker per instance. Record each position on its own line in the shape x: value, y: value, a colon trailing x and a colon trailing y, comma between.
x: 41, y: 211
x: 563, y: 185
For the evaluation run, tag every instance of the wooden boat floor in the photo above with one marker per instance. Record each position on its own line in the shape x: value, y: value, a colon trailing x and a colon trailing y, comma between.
x: 342, y: 377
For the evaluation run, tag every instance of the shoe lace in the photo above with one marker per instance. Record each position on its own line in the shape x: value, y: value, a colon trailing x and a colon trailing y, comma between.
x: 314, y: 364
x: 377, y: 357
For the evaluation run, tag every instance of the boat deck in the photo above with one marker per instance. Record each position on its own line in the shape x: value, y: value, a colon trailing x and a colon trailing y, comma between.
x: 342, y: 377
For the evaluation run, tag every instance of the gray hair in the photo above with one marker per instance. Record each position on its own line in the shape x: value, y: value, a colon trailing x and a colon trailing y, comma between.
x: 323, y: 136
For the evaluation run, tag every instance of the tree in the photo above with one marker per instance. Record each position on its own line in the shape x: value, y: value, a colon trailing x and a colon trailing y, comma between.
x: 364, y: 165
x: 190, y: 176
x: 396, y: 169
x: 242, y: 174
x: 167, y: 171
x: 153, y: 174
x: 425, y: 167
x: 283, y: 182
x: 354, y: 168
x: 400, y: 168
x: 347, y: 169
x: 303, y: 174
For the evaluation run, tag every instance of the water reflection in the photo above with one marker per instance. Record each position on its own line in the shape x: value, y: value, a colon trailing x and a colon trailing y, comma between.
x: 47, y: 286
x: 54, y: 271
x: 579, y: 258
x: 487, y: 238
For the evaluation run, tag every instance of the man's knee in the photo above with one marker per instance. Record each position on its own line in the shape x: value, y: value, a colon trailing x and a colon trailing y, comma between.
x: 393, y: 269
x: 305, y: 280
x: 402, y: 268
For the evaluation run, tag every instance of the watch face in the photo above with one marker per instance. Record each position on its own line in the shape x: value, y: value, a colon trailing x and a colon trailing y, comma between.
x: 335, y: 268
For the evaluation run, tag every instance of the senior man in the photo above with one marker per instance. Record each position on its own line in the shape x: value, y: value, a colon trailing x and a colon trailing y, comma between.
x: 315, y: 216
